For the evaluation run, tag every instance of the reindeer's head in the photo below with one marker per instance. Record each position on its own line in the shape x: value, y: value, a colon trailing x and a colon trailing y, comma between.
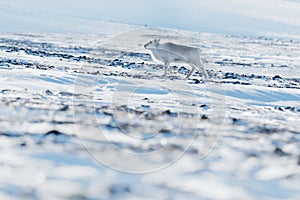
x: 152, y: 44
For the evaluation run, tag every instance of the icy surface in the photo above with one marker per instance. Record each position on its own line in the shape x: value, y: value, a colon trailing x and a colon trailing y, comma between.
x: 73, y: 106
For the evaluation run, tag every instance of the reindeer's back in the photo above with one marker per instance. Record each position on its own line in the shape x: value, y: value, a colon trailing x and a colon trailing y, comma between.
x: 179, y: 48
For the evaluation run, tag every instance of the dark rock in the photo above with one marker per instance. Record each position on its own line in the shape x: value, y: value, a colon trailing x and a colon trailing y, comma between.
x: 48, y: 92
x: 183, y: 70
x: 11, y: 134
x: 62, y: 122
x: 64, y: 108
x: 53, y: 132
x: 283, y: 66
x: 116, y: 62
x: 196, y: 81
x: 276, y: 77
x: 168, y: 112
x: 204, y: 106
x: 5, y: 91
x: 234, y: 120
x: 278, y: 151
x: 230, y: 75
x: 145, y: 106
x: 237, y: 121
x: 23, y: 144
x: 65, y: 93
x: 220, y: 63
x: 204, y: 117
x: 278, y: 108
x: 107, y: 113
x: 165, y: 131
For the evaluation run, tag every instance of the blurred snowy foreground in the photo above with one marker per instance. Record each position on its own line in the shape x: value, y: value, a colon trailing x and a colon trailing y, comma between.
x: 90, y: 117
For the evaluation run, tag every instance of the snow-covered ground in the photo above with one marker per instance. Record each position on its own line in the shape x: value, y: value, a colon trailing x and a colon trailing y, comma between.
x: 86, y: 114
x: 89, y: 116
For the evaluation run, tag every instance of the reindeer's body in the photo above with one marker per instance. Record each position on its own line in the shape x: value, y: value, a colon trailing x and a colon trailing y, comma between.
x: 174, y: 53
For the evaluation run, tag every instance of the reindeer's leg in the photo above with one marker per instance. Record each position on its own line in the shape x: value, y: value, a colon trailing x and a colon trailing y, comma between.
x: 166, y: 68
x: 203, y: 71
x: 198, y: 64
x: 191, y: 72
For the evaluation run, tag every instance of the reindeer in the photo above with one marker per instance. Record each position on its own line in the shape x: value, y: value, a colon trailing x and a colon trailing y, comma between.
x: 173, y: 53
